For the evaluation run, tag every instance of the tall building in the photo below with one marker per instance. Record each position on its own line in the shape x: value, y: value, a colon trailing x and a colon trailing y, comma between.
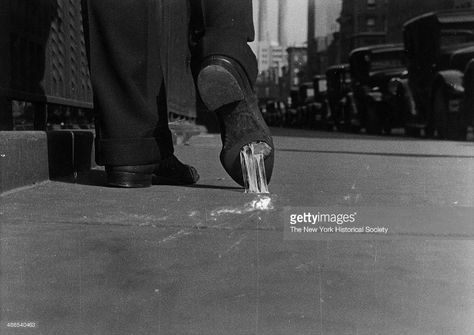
x: 322, y: 25
x: 363, y: 22
x: 271, y: 55
x: 263, y: 33
x: 282, y: 23
x: 326, y: 16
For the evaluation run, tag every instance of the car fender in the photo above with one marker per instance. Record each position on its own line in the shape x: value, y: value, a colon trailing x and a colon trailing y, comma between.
x: 468, y: 101
x: 374, y: 96
x: 451, y: 81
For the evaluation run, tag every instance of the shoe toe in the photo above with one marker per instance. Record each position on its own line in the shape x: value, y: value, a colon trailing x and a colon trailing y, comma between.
x: 173, y: 172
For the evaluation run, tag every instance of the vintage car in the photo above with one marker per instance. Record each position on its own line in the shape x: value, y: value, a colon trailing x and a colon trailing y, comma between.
x: 439, y: 46
x: 467, y: 106
x: 306, y: 108
x: 312, y: 111
x: 304, y: 98
x: 271, y: 112
x: 371, y: 69
x: 338, y: 87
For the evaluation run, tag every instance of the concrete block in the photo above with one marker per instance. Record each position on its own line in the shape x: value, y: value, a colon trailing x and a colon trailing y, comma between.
x: 23, y: 159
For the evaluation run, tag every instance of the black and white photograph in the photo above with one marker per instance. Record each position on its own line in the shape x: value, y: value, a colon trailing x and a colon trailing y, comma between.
x: 237, y: 167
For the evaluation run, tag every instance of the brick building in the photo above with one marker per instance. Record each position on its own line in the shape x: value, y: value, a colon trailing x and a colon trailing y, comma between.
x: 362, y: 22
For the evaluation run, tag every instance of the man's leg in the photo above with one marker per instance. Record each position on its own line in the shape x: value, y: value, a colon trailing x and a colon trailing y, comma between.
x: 129, y: 96
x: 126, y: 79
x: 228, y: 28
x: 226, y: 82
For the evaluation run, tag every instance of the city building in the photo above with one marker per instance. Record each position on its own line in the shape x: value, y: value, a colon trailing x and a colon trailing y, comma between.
x: 322, y: 29
x: 271, y: 55
x: 362, y: 22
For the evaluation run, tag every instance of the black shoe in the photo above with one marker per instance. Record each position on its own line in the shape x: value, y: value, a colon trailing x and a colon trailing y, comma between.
x: 130, y: 176
x: 225, y: 88
x: 170, y: 171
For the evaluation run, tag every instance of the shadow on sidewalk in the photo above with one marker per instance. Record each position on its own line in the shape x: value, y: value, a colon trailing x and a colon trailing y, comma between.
x: 98, y: 177
x: 216, y: 187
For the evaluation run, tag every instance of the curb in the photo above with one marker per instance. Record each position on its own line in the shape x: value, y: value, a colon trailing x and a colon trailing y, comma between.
x: 23, y: 158
x: 31, y: 157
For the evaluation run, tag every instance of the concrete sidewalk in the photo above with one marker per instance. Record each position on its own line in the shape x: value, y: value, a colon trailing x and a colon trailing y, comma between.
x: 80, y: 258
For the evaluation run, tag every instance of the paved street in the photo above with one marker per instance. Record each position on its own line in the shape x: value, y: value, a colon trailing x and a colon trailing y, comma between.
x: 80, y: 258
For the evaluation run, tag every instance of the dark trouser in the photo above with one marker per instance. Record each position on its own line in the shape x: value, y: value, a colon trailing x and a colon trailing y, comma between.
x: 228, y: 26
x: 127, y: 74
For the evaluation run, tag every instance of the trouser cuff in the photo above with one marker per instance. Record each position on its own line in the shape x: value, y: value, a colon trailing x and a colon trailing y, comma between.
x: 226, y: 43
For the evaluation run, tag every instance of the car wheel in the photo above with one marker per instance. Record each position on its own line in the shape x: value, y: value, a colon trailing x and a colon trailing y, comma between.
x: 429, y: 131
x: 449, y: 125
x: 440, y: 112
x: 354, y: 129
x: 373, y: 125
x: 412, y: 132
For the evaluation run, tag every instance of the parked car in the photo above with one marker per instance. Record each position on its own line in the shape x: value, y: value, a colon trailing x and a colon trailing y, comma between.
x: 439, y: 46
x: 270, y: 112
x: 305, y: 106
x: 467, y: 105
x: 371, y: 69
x: 291, y: 113
x: 311, y: 109
x: 338, y: 87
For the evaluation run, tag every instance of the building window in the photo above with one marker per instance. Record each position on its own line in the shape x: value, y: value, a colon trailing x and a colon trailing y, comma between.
x: 370, y: 22
x: 370, y: 4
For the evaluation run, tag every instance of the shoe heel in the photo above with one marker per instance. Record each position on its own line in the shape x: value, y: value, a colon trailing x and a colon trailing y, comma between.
x: 129, y: 180
x: 218, y: 87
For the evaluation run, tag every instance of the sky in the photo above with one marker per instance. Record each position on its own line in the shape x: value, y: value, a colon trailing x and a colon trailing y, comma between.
x: 327, y: 12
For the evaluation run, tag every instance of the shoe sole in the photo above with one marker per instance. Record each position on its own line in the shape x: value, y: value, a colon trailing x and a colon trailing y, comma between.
x: 129, y: 180
x: 218, y: 87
